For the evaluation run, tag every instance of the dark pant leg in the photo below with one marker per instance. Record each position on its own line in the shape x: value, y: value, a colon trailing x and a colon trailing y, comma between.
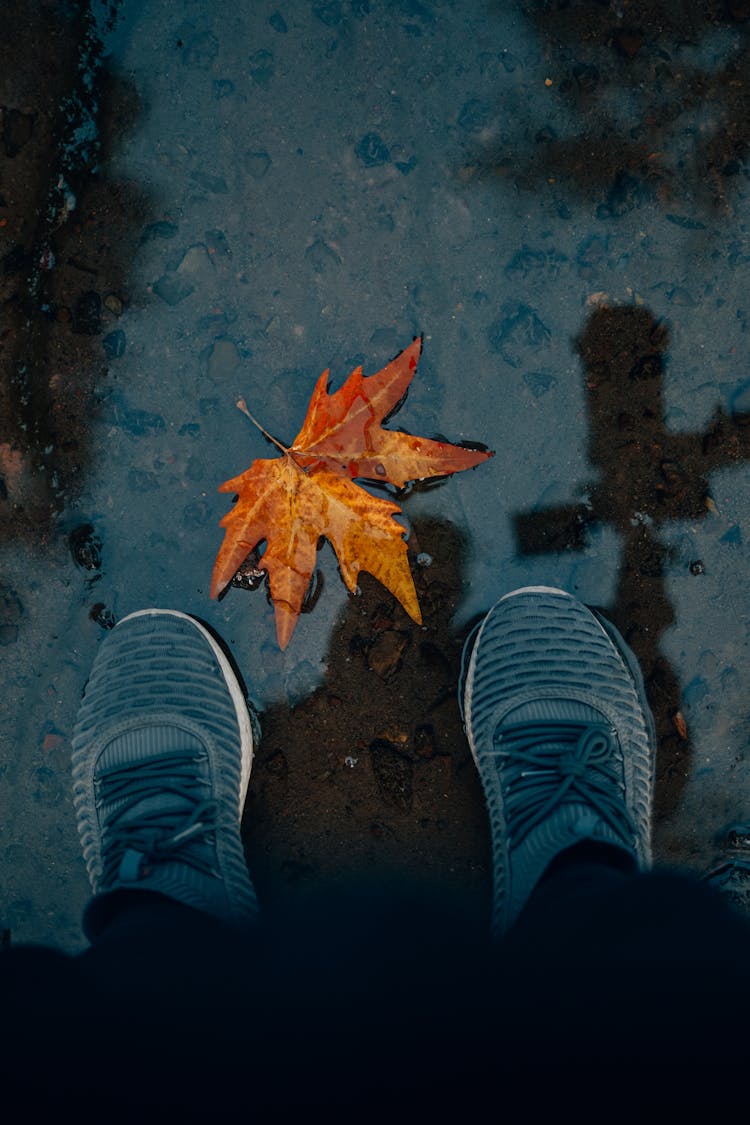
x: 349, y: 1006
x: 615, y: 997
x: 144, y: 1022
x: 632, y: 988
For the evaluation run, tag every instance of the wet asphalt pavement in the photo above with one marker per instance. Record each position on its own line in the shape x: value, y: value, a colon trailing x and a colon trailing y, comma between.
x: 557, y: 198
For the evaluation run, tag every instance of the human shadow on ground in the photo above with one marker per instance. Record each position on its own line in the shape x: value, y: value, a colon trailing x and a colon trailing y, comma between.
x: 646, y: 477
x: 648, y: 100
x: 370, y: 780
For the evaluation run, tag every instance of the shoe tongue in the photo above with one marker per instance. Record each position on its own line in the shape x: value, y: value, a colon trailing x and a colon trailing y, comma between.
x: 551, y: 710
x: 140, y: 744
x: 149, y: 741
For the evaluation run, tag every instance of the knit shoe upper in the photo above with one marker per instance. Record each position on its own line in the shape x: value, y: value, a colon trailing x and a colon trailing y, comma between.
x: 162, y: 751
x: 556, y: 715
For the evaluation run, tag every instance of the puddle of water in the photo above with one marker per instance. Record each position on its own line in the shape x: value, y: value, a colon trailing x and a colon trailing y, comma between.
x: 328, y: 182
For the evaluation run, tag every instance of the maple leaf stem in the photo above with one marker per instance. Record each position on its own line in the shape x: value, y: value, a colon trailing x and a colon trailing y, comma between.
x: 242, y: 405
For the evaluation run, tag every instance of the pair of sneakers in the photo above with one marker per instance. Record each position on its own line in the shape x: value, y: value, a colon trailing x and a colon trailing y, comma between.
x: 554, y: 710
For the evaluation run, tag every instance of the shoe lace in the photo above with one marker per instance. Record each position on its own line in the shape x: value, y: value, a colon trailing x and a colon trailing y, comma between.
x: 549, y: 763
x: 180, y: 816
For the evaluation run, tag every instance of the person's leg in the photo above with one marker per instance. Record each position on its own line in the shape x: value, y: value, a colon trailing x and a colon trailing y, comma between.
x: 607, y: 977
x: 186, y: 1002
x: 162, y: 751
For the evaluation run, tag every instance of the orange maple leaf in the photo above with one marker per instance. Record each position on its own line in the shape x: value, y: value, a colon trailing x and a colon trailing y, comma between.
x: 291, y: 501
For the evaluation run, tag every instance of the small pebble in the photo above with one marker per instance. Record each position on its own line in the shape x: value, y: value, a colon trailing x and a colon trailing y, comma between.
x: 102, y: 616
x: 372, y: 150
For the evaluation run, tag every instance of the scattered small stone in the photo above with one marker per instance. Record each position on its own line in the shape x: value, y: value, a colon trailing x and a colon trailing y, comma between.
x: 217, y: 244
x: 114, y: 344
x: 385, y: 655
x: 697, y: 567
x: 52, y: 739
x: 161, y: 229
x: 195, y: 261
x: 102, y: 616
x: 113, y: 304
x: 679, y: 295
x: 217, y: 185
x: 685, y: 222
x: 261, y: 67
x: 248, y: 576
x: 372, y: 150
x: 321, y: 256
x: 257, y: 164
x: 85, y: 547
x: 678, y: 721
x: 222, y: 360
x: 116, y: 412
x: 195, y: 267
x: 539, y: 382
x: 517, y: 330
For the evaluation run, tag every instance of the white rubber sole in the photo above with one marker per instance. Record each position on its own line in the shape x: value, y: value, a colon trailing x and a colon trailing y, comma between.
x: 238, y: 699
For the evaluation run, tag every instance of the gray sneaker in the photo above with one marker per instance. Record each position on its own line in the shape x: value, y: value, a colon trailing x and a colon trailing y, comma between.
x: 556, y: 715
x: 730, y: 872
x: 162, y: 750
